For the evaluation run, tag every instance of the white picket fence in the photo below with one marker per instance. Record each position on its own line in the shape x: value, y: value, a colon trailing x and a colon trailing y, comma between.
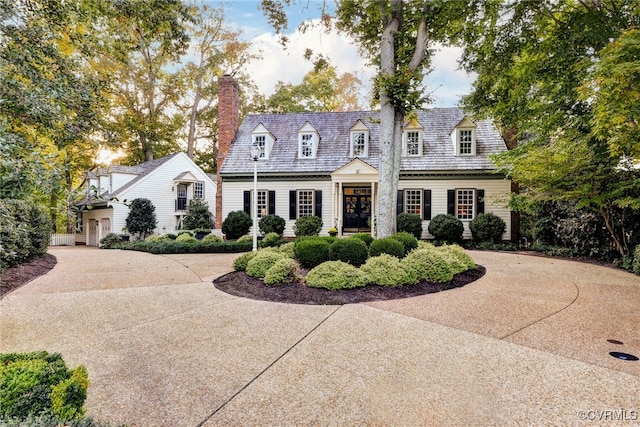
x: 62, y: 240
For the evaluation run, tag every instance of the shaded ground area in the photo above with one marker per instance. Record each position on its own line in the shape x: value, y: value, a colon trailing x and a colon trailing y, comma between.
x: 17, y: 276
x: 240, y: 284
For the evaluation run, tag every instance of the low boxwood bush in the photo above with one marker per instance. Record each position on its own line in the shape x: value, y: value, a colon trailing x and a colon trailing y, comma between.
x: 336, y: 275
x: 38, y: 383
x: 245, y: 238
x: 459, y: 259
x: 350, y: 250
x: 387, y: 270
x: 311, y: 251
x: 429, y: 265
x: 264, y: 259
x: 270, y: 239
x: 288, y: 248
x: 446, y: 228
x: 236, y: 224
x: 307, y: 226
x: 111, y: 239
x: 166, y: 246
x: 212, y: 238
x: 365, y: 237
x: 408, y: 240
x: 272, y: 224
x: 284, y: 271
x: 487, y: 228
x: 409, y: 223
x: 387, y: 245
x: 240, y: 263
x: 185, y: 237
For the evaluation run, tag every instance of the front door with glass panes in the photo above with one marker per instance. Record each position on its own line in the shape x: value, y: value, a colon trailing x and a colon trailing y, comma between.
x: 356, y: 209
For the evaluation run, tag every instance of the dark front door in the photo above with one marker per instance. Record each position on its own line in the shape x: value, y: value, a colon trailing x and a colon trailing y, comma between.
x: 357, y: 209
x: 181, y: 202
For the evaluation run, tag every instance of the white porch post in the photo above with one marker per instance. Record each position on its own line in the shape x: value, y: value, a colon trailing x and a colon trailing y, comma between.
x: 374, y: 205
x: 339, y: 213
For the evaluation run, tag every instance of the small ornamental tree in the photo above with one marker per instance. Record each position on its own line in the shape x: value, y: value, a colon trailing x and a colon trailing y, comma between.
x: 198, y: 215
x: 141, y: 218
x: 272, y: 224
x: 236, y: 225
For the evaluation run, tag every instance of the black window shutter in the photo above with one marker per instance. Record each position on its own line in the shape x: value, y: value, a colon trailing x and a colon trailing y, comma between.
x: 479, y: 202
x: 318, y: 210
x: 400, y: 202
x: 247, y: 202
x: 293, y: 206
x: 451, y: 202
x: 272, y: 202
x: 426, y: 202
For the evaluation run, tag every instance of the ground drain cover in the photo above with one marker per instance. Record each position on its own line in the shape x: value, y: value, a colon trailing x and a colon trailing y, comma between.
x: 615, y: 342
x: 623, y: 356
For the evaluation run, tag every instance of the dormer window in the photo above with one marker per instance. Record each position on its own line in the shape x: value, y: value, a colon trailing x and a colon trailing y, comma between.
x: 359, y: 146
x: 464, y: 138
x: 264, y: 140
x: 412, y: 139
x: 307, y: 142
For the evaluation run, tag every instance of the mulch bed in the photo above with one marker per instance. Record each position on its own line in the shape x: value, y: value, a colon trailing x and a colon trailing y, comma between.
x: 240, y: 284
x: 17, y: 276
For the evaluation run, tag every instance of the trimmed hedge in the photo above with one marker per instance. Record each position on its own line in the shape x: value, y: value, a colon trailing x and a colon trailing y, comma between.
x: 387, y: 270
x: 336, y: 275
x: 365, y: 237
x: 408, y: 240
x: 262, y: 262
x: 307, y: 226
x: 167, y: 246
x: 311, y: 251
x: 409, y: 223
x: 240, y: 263
x: 457, y: 257
x: 429, y: 265
x: 236, y: 224
x: 284, y: 271
x: 446, y: 228
x: 25, y: 231
x: 270, y: 239
x: 272, y: 224
x: 387, y: 245
x: 487, y: 228
x: 350, y: 250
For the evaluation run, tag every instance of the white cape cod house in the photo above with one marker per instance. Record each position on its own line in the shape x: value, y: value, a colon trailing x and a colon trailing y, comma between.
x: 326, y: 164
x: 169, y: 182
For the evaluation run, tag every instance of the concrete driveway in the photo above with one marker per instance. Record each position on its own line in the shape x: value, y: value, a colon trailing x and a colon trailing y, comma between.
x: 527, y: 344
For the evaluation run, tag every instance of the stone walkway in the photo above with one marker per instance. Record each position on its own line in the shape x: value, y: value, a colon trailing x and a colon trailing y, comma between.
x: 527, y: 344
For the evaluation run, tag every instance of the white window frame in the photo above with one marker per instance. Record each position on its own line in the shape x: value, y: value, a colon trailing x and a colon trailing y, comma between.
x: 198, y: 190
x: 410, y: 205
x: 261, y: 141
x: 466, y: 136
x: 305, y: 203
x: 365, y: 144
x: 307, y: 141
x: 263, y: 203
x: 465, y: 204
x: 405, y: 142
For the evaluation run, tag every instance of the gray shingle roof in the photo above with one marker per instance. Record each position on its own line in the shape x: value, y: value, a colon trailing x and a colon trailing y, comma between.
x: 333, y: 149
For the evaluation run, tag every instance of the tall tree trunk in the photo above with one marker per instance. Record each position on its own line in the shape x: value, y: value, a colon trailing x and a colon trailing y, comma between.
x: 71, y: 220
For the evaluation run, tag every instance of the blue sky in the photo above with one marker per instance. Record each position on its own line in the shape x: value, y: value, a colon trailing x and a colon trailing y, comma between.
x: 446, y: 83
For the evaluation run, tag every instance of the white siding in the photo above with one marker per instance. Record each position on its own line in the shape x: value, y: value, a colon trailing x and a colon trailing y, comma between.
x: 120, y: 179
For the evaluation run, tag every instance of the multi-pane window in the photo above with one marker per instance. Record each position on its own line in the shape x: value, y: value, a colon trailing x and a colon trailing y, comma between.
x: 413, y: 202
x: 306, y: 145
x: 305, y: 203
x: 464, y: 204
x: 412, y: 138
x: 261, y: 142
x: 466, y: 141
x: 262, y: 203
x: 198, y: 190
x: 359, y: 144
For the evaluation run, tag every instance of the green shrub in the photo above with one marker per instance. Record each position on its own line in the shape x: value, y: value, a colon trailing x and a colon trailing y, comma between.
x: 387, y: 270
x: 25, y: 231
x: 409, y: 223
x: 264, y: 259
x: 446, y: 228
x: 636, y: 260
x: 285, y: 270
x: 408, y: 240
x: 425, y: 245
x: 350, y: 250
x: 180, y: 233
x: 245, y: 238
x: 429, y: 265
x: 212, y: 238
x: 240, y: 263
x: 307, y: 226
x: 336, y: 275
x: 387, y: 245
x: 271, y: 239
x: 487, y: 228
x: 40, y: 383
x: 197, y: 215
x: 171, y: 236
x: 186, y: 237
x: 288, y: 248
x: 110, y: 240
x: 236, y: 224
x: 459, y: 259
x: 272, y: 224
x: 311, y: 251
x: 365, y: 237
x: 141, y: 218
x: 151, y: 238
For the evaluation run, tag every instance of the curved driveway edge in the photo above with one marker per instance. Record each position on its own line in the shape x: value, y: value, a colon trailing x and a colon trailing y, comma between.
x: 525, y: 344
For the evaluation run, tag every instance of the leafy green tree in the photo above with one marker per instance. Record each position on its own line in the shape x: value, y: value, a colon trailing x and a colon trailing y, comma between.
x: 548, y: 72
x: 141, y: 218
x: 198, y: 215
